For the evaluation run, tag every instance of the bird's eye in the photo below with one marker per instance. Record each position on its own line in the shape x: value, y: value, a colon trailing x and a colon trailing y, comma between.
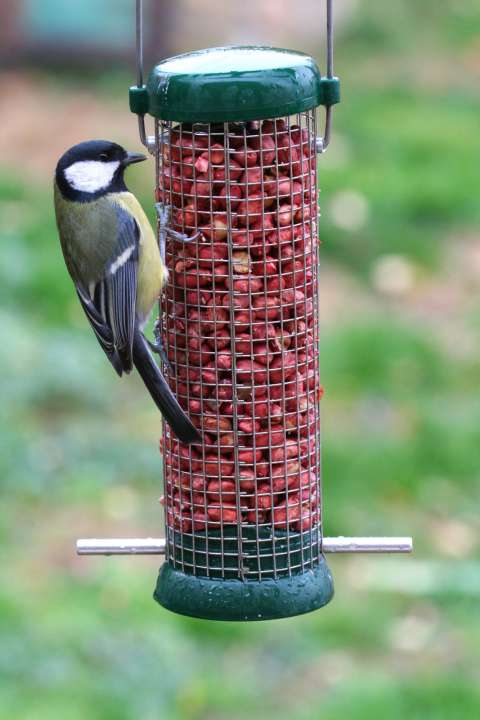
x: 103, y: 157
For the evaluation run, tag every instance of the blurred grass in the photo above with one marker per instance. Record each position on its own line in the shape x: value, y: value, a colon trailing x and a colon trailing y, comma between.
x: 401, y: 433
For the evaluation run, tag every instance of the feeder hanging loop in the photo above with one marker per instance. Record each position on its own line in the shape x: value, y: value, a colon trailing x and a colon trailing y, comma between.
x: 330, y: 85
x: 138, y: 93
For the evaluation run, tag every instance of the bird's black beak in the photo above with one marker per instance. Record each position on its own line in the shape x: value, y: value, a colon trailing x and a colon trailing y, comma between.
x: 132, y: 157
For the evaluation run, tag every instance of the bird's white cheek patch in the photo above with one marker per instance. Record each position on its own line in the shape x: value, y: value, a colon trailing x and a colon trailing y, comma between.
x: 91, y: 175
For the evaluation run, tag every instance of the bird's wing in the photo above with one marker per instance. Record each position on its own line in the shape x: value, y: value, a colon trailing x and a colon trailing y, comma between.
x: 109, y: 303
x: 100, y: 328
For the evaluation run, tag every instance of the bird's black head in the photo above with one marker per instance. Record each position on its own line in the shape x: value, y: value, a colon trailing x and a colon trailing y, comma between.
x: 92, y: 169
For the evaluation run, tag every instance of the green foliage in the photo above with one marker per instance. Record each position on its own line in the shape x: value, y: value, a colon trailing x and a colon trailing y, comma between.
x: 423, y: 149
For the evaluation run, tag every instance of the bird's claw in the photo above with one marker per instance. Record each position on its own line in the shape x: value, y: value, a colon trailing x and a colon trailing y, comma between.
x: 164, y: 214
x: 182, y: 237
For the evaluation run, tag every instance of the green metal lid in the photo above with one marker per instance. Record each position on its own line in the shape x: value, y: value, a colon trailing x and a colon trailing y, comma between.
x: 231, y: 83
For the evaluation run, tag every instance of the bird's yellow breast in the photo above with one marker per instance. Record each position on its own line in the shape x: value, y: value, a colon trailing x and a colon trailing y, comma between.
x: 152, y: 274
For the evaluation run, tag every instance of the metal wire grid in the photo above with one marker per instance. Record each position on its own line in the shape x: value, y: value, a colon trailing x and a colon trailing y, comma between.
x: 240, y: 321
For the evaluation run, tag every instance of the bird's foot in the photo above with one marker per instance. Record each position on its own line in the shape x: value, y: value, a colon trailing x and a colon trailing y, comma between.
x: 164, y: 214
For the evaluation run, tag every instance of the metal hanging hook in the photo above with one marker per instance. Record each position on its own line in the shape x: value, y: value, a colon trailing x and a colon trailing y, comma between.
x: 330, y: 82
x: 328, y: 111
x: 147, y: 140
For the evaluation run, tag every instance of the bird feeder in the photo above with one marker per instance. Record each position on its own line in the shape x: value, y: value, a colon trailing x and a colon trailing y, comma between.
x: 236, y: 147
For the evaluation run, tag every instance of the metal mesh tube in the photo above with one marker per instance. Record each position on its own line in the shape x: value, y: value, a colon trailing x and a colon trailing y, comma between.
x: 240, y: 323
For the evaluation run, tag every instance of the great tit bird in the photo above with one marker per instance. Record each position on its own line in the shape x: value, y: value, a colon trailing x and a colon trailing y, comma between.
x: 115, y: 263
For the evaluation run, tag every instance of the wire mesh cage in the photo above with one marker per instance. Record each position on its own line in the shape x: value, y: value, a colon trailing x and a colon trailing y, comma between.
x: 240, y: 318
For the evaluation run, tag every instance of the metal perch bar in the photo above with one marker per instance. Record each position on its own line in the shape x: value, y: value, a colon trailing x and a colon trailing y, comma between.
x: 156, y: 546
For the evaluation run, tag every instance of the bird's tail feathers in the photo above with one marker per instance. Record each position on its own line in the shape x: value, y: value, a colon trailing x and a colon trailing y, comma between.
x: 163, y: 397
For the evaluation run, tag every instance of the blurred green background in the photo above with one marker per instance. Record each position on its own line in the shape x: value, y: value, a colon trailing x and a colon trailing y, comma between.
x: 82, y: 638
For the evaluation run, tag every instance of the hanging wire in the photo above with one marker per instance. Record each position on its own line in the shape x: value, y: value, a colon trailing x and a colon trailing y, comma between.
x: 144, y: 139
x: 139, y: 37
x: 329, y: 39
x: 323, y: 142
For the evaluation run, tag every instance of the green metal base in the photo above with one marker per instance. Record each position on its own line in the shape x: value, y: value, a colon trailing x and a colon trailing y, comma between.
x: 233, y: 599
